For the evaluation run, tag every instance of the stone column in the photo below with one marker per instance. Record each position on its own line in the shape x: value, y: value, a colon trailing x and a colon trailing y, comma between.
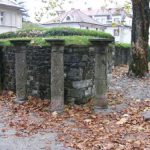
x: 57, y: 74
x: 100, y: 46
x: 20, y: 69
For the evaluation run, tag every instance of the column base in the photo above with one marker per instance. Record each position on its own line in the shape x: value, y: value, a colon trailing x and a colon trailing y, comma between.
x: 101, y: 103
x: 59, y: 111
x: 20, y: 100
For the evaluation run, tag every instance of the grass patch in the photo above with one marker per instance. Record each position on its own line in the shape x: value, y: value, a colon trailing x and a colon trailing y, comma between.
x: 76, y: 40
x: 43, y: 32
x: 123, y: 45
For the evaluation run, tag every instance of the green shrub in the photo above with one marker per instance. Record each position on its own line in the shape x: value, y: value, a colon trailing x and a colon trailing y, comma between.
x: 31, y: 26
x: 42, y: 32
x: 63, y: 31
x: 8, y: 35
x: 30, y: 33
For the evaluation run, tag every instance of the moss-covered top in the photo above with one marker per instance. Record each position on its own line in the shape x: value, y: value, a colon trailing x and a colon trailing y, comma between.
x: 123, y: 45
x: 37, y: 35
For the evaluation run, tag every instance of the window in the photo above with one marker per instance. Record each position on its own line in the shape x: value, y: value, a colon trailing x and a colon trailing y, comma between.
x: 109, y: 17
x: 116, y: 32
x: 1, y: 18
x: 68, y: 18
x: 116, y: 20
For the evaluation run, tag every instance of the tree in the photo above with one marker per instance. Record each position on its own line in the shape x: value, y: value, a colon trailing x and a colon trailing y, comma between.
x: 24, y: 10
x: 140, y: 38
x: 48, y: 8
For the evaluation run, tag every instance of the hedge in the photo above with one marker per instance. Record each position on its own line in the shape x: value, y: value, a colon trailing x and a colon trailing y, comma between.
x: 54, y: 32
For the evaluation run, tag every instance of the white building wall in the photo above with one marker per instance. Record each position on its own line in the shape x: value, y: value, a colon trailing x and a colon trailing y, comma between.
x: 12, y: 19
x: 62, y: 25
x: 124, y: 34
x: 4, y: 29
x: 101, y: 19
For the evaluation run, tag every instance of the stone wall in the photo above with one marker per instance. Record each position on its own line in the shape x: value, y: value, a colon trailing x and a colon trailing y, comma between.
x: 38, y: 71
x: 121, y: 56
x: 59, y: 73
x: 79, y: 62
x: 78, y: 72
x: 8, y: 61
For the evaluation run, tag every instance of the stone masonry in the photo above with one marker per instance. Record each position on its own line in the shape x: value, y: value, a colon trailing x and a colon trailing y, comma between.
x: 57, y: 72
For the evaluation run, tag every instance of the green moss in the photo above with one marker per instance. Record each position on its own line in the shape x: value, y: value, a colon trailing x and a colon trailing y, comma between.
x: 44, y: 32
x: 123, y: 45
x: 31, y: 26
x: 66, y: 31
x: 77, y: 40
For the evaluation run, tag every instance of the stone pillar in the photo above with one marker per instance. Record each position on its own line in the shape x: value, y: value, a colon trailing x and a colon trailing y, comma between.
x: 57, y: 74
x: 100, y: 46
x: 20, y: 69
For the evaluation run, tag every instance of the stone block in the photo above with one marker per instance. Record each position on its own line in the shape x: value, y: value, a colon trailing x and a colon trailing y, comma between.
x: 82, y: 84
x: 76, y: 93
x: 146, y: 115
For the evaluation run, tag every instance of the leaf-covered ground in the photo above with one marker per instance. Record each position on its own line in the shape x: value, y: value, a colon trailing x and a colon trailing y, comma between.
x: 121, y: 127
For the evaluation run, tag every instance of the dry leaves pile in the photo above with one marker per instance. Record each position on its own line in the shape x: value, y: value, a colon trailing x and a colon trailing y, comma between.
x: 79, y: 127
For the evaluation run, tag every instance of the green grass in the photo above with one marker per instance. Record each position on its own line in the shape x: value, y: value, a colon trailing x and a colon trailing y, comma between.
x: 43, y: 32
x: 31, y: 26
x: 37, y: 34
x: 123, y: 45
x: 76, y: 40
x: 66, y: 31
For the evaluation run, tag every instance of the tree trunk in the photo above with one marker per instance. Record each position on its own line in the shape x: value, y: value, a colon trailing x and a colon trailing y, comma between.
x: 140, y: 34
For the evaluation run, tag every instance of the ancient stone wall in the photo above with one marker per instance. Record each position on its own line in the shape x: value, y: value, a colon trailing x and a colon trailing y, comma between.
x: 78, y: 71
x: 60, y: 73
x: 79, y: 62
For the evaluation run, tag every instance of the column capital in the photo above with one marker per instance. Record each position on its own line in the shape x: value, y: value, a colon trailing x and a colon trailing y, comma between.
x: 101, y: 41
x: 20, y: 42
x: 55, y: 42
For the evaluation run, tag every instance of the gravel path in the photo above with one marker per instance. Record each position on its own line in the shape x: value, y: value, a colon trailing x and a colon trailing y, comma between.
x: 130, y: 87
x: 10, y: 139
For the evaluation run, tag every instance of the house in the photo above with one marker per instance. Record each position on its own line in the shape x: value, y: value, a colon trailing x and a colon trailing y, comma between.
x: 116, y: 21
x: 10, y: 16
x: 76, y: 19
x: 113, y: 21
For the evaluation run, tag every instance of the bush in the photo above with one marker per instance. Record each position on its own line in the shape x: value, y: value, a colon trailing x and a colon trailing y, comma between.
x: 63, y: 31
x: 54, y: 32
x: 30, y: 33
x: 8, y: 35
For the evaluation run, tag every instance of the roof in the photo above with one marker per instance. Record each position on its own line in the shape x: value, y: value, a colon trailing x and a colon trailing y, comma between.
x: 76, y: 15
x: 103, y: 11
x: 9, y: 3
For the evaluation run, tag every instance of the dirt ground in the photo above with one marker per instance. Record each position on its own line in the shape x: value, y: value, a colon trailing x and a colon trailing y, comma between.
x: 121, y: 127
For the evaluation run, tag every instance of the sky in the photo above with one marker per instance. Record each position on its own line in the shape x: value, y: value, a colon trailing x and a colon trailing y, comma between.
x: 33, y: 5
